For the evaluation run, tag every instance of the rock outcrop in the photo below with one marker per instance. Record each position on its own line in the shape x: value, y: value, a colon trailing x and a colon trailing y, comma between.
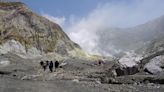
x: 132, y: 64
x: 155, y: 66
x: 30, y: 32
x: 128, y: 64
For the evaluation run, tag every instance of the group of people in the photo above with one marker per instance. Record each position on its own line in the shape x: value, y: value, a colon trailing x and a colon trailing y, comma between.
x: 49, y: 64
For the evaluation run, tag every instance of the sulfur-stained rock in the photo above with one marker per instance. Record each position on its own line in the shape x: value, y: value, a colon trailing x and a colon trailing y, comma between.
x: 23, y: 31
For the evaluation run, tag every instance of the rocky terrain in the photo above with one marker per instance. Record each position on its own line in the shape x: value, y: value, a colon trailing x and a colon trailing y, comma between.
x: 27, y: 38
x: 142, y: 39
x: 18, y: 74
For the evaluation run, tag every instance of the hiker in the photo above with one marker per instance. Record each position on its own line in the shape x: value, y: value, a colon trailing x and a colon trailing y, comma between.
x: 51, y: 66
x: 43, y: 65
x: 47, y: 63
x: 56, y: 64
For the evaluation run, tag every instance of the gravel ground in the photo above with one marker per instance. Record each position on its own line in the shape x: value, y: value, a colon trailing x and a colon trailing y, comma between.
x: 15, y: 85
x: 23, y: 75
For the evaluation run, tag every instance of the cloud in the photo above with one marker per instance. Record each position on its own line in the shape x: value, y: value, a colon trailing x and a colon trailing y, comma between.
x: 58, y: 20
x: 121, y: 14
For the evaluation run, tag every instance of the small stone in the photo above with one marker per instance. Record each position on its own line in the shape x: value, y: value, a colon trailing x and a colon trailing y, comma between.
x: 98, y: 82
x: 75, y: 80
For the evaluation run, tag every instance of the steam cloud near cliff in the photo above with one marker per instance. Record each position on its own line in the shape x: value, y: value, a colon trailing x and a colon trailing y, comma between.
x: 123, y: 14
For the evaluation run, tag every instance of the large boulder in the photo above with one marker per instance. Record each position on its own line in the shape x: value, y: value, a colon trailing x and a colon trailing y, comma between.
x: 127, y: 70
x: 128, y: 64
x: 155, y: 65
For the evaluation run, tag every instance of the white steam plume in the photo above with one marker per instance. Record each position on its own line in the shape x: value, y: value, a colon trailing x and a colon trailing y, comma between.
x: 115, y: 14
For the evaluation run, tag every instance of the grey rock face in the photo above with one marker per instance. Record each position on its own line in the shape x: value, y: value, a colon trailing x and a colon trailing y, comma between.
x: 19, y: 23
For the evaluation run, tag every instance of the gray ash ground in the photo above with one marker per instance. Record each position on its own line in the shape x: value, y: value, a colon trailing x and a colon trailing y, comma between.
x: 25, y: 75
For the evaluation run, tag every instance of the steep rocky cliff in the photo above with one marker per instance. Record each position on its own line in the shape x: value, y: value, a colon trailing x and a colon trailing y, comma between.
x: 22, y: 31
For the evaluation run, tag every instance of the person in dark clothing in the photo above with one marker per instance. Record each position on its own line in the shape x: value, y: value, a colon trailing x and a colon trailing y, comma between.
x: 51, y: 66
x: 43, y: 65
x: 56, y: 64
x: 47, y: 62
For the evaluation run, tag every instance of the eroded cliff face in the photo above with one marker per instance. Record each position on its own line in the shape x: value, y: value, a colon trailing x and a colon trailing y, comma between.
x: 21, y: 26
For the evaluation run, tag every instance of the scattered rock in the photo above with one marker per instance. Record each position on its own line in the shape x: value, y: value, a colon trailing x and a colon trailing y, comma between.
x: 5, y: 72
x: 4, y: 63
x: 109, y: 80
x: 62, y: 64
x: 75, y: 80
x: 29, y: 77
x: 98, y: 82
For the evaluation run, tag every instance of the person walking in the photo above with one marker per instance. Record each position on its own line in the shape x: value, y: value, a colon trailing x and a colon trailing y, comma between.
x: 51, y: 66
